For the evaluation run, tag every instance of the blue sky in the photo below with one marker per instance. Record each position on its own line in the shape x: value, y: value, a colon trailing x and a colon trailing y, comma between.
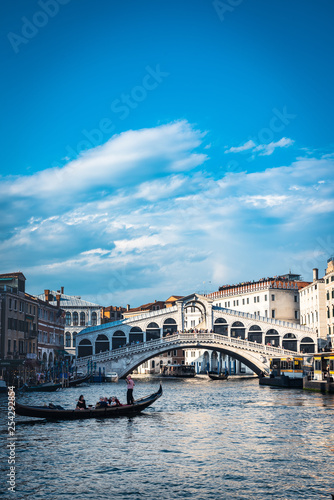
x: 153, y: 148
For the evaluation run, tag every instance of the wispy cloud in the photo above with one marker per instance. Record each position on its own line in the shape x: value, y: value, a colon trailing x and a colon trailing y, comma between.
x: 262, y: 149
x: 248, y: 145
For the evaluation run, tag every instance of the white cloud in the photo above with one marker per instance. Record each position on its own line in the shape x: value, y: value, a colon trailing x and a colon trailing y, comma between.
x: 268, y: 149
x: 263, y: 149
x: 125, y: 159
x: 164, y: 231
x: 248, y: 145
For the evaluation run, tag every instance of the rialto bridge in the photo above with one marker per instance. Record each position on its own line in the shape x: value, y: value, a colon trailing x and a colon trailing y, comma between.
x: 123, y: 345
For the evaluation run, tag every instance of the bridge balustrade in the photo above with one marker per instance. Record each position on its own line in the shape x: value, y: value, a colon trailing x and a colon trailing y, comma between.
x: 193, y: 339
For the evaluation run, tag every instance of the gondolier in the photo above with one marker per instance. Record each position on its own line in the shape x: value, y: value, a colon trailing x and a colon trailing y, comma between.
x: 129, y: 394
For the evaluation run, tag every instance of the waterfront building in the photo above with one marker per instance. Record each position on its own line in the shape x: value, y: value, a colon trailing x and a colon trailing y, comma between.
x: 18, y: 327
x: 276, y: 298
x: 51, y: 324
x: 79, y: 314
x: 31, y: 331
x: 329, y: 290
x: 151, y: 306
x: 112, y: 313
x: 313, y: 305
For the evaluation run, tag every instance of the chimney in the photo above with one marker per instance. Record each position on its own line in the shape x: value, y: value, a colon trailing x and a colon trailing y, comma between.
x: 58, y: 299
x: 46, y: 293
x: 127, y: 307
x: 315, y: 274
x: 62, y: 290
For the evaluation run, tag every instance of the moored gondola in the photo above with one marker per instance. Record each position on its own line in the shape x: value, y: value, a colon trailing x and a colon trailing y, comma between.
x: 217, y: 376
x: 45, y: 387
x: 53, y: 412
x: 80, y: 380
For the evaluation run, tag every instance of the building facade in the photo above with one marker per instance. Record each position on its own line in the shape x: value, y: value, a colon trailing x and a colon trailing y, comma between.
x: 329, y: 291
x: 313, y: 305
x: 31, y: 331
x: 18, y: 328
x: 79, y: 314
x: 276, y: 298
x: 51, y: 324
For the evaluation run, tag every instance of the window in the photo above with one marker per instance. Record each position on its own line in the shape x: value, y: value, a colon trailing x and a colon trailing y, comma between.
x: 82, y: 319
x: 265, y: 297
x: 14, y: 346
x: 266, y: 313
x: 68, y: 318
x: 273, y: 297
x: 15, y: 305
x: 10, y: 304
x: 243, y: 302
x: 248, y: 300
x: 94, y: 319
x: 296, y: 298
x: 327, y: 295
x: 296, y: 314
x: 258, y: 298
x: 254, y: 299
x: 273, y: 313
x: 75, y: 319
x: 9, y: 346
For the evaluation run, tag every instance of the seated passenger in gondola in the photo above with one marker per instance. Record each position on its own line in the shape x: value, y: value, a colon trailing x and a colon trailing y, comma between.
x: 103, y: 403
x: 114, y: 401
x: 81, y: 404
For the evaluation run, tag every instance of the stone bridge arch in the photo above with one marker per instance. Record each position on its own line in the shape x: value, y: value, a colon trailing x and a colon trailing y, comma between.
x: 126, y: 363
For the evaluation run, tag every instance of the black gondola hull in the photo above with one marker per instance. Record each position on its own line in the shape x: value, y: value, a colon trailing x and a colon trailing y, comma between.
x: 111, y: 412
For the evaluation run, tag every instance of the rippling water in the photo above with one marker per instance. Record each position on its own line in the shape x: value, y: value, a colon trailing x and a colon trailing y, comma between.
x: 203, y: 439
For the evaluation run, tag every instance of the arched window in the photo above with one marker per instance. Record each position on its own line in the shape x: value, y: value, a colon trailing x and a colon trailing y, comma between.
x: 255, y: 334
x: 272, y: 337
x: 220, y: 326
x: 101, y: 343
x: 118, y: 339
x: 238, y: 330
x: 152, y: 332
x: 74, y: 339
x: 75, y: 319
x: 82, y: 319
x: 68, y: 318
x: 67, y: 339
x: 169, y: 327
x: 136, y: 334
x: 94, y: 318
x: 290, y: 342
x: 307, y: 345
x: 85, y: 348
x: 50, y: 359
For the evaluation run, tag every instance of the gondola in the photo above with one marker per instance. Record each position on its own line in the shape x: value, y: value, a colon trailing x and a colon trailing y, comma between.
x: 76, y: 381
x: 45, y: 387
x: 217, y: 376
x: 53, y: 412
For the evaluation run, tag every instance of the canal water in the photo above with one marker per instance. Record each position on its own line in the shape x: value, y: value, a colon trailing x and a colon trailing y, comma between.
x: 202, y: 440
